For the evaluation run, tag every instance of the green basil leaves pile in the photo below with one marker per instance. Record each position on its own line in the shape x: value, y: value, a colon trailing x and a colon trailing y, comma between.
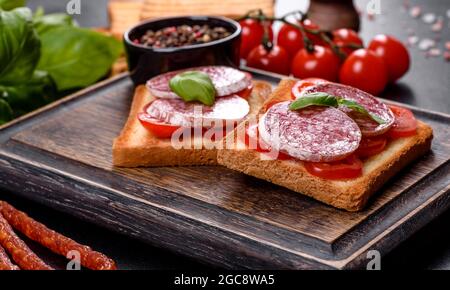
x: 44, y: 57
x: 324, y: 99
x: 194, y: 86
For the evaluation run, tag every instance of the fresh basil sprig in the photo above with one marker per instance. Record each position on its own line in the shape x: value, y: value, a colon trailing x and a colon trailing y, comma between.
x: 194, y: 86
x: 327, y: 100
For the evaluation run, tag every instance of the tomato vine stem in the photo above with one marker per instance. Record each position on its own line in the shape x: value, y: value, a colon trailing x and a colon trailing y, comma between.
x: 260, y: 16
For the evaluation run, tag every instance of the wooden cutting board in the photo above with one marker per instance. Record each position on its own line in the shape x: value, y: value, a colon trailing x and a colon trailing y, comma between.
x: 60, y: 156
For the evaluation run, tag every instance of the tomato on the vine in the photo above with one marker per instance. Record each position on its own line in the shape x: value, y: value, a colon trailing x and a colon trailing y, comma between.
x: 394, y: 53
x: 347, y: 39
x: 351, y: 167
x: 252, y: 35
x: 321, y: 63
x: 291, y: 39
x: 405, y: 124
x: 364, y: 70
x: 275, y: 59
x: 314, y: 37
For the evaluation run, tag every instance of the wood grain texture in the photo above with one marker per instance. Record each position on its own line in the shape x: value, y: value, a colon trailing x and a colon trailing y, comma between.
x: 228, y: 8
x: 62, y: 158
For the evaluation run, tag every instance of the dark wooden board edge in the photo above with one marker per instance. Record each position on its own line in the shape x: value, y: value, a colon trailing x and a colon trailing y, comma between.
x: 301, y: 263
x: 174, y: 231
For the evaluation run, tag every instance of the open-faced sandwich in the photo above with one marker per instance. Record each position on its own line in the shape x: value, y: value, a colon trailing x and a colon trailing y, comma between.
x: 332, y: 142
x: 179, y: 117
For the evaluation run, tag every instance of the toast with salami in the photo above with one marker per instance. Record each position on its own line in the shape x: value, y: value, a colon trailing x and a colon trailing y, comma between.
x: 139, y: 145
x: 316, y: 152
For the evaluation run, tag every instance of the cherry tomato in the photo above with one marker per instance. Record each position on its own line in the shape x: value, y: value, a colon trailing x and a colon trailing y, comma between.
x: 300, y: 86
x: 252, y: 35
x: 275, y: 60
x: 394, y: 53
x: 346, y: 38
x: 252, y: 138
x: 351, y: 167
x: 370, y: 146
x: 290, y: 38
x: 405, y: 124
x: 364, y: 70
x: 315, y: 38
x: 322, y: 63
x: 157, y: 128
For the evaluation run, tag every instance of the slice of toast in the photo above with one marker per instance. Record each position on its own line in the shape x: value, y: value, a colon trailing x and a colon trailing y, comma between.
x: 137, y: 147
x: 351, y: 195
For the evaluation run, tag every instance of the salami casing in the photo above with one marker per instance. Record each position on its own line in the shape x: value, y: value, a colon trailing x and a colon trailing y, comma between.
x: 226, y: 81
x: 368, y: 126
x: 314, y: 134
x: 179, y: 113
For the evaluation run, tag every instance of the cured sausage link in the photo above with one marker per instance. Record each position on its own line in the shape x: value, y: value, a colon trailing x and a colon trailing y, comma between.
x: 5, y: 262
x: 54, y: 241
x: 20, y: 253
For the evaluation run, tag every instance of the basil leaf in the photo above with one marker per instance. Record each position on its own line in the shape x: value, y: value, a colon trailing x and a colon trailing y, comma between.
x: 314, y: 99
x: 11, y: 4
x: 324, y: 99
x: 6, y: 112
x: 43, y: 23
x: 37, y: 92
x: 19, y: 46
x: 360, y: 109
x: 77, y: 57
x: 194, y: 86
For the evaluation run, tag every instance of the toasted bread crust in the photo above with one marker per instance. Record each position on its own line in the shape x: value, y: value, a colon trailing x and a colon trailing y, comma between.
x: 136, y: 147
x: 351, y: 195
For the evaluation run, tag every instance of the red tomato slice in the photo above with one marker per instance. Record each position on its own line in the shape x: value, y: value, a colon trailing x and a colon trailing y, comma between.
x: 300, y: 86
x: 371, y: 146
x: 160, y: 130
x: 245, y: 93
x: 351, y: 167
x: 252, y: 137
x: 405, y: 124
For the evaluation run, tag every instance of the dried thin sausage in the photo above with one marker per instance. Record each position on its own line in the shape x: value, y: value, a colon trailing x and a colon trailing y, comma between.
x: 19, y: 251
x: 53, y: 240
x: 5, y: 262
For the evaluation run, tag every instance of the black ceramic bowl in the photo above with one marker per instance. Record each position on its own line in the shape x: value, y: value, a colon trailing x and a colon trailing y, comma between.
x: 145, y: 62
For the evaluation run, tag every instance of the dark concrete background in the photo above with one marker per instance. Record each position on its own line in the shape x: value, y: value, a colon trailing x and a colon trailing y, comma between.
x: 426, y: 85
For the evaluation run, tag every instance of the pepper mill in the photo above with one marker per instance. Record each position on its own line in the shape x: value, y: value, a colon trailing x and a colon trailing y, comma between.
x: 334, y: 14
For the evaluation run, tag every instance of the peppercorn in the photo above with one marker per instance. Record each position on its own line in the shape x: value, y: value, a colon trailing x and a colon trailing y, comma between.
x: 177, y: 36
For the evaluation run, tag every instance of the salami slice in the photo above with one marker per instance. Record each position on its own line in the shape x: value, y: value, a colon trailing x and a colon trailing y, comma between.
x: 368, y: 126
x: 226, y: 81
x: 179, y: 113
x: 314, y: 134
